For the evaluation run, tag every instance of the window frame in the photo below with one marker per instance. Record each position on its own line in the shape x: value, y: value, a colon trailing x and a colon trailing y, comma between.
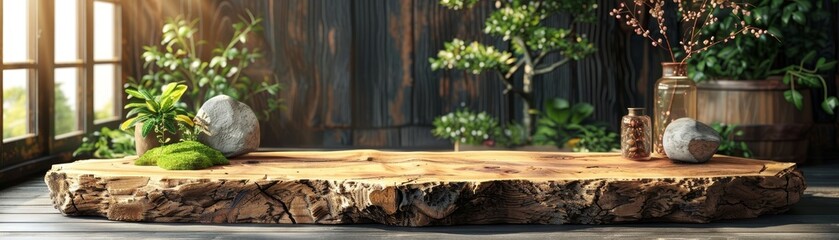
x: 16, y: 150
x: 91, y: 62
x: 43, y: 140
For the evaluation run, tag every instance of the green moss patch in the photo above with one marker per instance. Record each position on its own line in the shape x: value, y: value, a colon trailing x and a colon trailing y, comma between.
x: 188, y: 155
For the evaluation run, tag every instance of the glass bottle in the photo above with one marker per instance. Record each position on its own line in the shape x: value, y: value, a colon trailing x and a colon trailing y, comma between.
x: 636, y: 135
x: 675, y: 97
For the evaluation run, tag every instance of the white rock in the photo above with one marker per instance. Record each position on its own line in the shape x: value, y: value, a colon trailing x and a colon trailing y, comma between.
x: 688, y: 140
x: 230, y: 126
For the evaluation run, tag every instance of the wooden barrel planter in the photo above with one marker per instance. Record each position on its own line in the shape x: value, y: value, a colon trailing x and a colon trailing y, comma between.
x: 773, y: 128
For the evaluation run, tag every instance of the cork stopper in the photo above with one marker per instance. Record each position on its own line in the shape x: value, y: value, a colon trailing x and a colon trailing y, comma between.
x: 636, y: 111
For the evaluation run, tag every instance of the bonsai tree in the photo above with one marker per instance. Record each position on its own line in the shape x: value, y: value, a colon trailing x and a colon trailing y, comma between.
x: 792, y: 36
x: 521, y: 24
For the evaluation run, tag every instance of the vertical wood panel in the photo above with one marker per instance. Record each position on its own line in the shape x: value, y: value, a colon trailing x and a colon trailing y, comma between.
x: 357, y: 74
x: 370, y: 59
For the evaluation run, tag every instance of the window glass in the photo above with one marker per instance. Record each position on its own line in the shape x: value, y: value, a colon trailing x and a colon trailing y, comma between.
x: 104, y: 30
x: 16, y: 102
x: 15, y: 31
x: 66, y: 30
x: 104, y: 77
x: 66, y: 100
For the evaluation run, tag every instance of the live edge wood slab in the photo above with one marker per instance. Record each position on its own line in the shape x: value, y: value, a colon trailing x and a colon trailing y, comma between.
x: 428, y: 188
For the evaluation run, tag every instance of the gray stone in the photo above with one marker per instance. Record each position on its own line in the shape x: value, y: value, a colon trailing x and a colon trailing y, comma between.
x: 229, y: 126
x: 688, y: 140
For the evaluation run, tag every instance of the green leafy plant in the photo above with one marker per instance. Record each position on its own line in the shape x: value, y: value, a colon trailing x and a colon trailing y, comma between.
x: 595, y: 138
x: 793, y: 35
x: 800, y: 75
x: 466, y: 127
x: 562, y: 122
x: 728, y: 146
x: 521, y: 23
x: 219, y: 73
x: 559, y: 122
x: 107, y: 143
x: 512, y: 135
x: 161, y: 113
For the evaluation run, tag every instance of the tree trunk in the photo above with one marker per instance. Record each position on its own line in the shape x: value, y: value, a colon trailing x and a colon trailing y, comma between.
x: 528, y: 106
x: 428, y: 188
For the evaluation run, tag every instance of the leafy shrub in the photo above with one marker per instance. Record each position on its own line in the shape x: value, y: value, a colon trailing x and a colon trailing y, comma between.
x: 561, y: 122
x: 728, y: 146
x: 596, y: 138
x: 512, y: 135
x: 466, y: 127
x: 107, y: 143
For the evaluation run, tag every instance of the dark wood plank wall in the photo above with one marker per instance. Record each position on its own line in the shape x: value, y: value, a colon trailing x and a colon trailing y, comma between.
x: 356, y: 73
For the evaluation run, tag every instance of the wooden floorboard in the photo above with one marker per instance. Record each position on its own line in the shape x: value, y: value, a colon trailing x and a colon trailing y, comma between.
x: 26, y: 212
x: 414, y: 235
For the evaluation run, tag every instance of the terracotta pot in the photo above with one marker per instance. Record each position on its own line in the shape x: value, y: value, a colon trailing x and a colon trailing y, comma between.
x: 143, y: 144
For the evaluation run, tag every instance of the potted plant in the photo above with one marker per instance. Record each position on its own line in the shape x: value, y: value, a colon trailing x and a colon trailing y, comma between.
x: 762, y: 84
x: 520, y: 23
x: 161, y: 114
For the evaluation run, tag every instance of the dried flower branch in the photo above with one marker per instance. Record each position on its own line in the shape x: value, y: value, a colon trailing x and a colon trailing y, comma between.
x: 693, y: 15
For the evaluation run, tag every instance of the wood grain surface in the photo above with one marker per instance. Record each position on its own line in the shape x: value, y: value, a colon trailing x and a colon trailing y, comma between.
x: 428, y: 188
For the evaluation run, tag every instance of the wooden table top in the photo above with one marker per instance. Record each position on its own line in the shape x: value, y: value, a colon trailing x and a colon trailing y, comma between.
x: 390, y: 168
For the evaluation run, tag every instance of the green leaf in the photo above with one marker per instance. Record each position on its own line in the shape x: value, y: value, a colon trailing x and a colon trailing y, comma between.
x: 799, y: 17
x: 170, y: 126
x: 810, y: 55
x: 184, y: 119
x: 128, y: 123
x: 134, y: 93
x: 152, y: 106
x: 135, y: 111
x: 135, y: 105
x: 557, y: 109
x: 146, y: 94
x: 148, y: 126
x: 581, y: 111
x: 167, y: 90
x: 827, y: 66
x: 829, y: 104
x: 795, y: 98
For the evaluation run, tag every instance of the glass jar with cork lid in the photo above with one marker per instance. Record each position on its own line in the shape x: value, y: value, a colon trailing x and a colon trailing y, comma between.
x: 636, y: 135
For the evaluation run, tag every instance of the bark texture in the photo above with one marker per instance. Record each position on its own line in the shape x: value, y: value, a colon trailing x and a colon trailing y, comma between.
x: 428, y: 188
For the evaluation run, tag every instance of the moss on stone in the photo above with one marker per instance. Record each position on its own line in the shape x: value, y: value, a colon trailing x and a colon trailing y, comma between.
x: 188, y: 155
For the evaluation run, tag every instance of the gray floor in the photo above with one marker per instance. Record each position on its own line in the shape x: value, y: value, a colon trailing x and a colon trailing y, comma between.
x: 26, y: 213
